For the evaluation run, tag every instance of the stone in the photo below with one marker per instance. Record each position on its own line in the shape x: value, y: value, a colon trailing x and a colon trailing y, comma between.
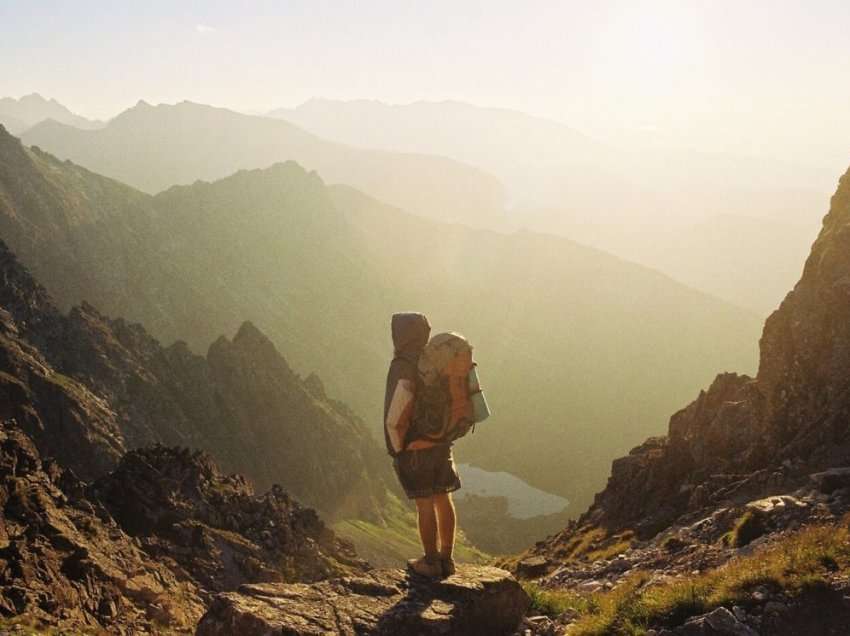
x: 591, y: 586
x: 719, y: 622
x: 620, y: 564
x: 831, y: 480
x: 774, y: 607
x: 475, y: 600
x: 773, y: 505
x: 532, y: 567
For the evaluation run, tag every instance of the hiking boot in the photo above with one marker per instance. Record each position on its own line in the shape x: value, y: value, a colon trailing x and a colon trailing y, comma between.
x: 448, y: 566
x: 426, y: 566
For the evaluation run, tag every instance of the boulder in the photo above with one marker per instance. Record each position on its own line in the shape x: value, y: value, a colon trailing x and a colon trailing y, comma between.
x: 776, y: 504
x: 532, y: 567
x: 720, y: 622
x: 475, y: 600
x: 833, y: 479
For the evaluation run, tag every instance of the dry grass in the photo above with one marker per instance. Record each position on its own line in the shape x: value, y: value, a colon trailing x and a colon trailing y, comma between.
x: 554, y: 603
x: 593, y: 544
x: 618, y: 543
x: 794, y: 565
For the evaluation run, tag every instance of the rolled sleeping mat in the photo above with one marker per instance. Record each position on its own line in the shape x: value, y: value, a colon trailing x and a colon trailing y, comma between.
x: 480, y: 408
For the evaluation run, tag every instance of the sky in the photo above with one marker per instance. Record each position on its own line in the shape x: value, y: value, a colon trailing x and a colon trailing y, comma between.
x: 758, y: 77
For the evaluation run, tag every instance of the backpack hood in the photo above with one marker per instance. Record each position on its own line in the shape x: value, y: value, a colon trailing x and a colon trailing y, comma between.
x: 410, y: 332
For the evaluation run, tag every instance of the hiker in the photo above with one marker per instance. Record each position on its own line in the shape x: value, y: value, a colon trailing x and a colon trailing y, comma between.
x: 421, y: 450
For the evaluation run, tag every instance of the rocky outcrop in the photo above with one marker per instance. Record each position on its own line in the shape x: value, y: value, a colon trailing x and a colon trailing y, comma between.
x: 476, y: 600
x: 214, y: 527
x: 65, y: 563
x: 145, y: 547
x: 748, y: 437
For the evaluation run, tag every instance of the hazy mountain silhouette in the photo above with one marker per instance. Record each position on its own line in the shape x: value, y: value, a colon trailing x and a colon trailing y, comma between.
x: 154, y: 147
x: 20, y: 114
x: 760, y: 256
x: 560, y: 328
x: 638, y: 199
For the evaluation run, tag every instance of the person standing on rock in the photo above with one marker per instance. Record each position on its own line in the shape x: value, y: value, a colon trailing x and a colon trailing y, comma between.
x: 425, y: 468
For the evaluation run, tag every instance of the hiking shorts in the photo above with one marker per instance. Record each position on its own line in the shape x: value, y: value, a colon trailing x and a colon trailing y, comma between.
x: 426, y: 472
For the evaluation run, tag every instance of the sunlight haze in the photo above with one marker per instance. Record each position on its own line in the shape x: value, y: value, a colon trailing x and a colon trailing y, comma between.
x: 239, y: 244
x: 727, y: 76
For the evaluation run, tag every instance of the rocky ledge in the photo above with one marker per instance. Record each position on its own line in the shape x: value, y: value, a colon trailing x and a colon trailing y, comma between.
x: 475, y: 600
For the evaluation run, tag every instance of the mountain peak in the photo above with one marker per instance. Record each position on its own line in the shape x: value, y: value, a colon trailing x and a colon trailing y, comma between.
x: 35, y: 98
x: 32, y: 109
x: 248, y: 333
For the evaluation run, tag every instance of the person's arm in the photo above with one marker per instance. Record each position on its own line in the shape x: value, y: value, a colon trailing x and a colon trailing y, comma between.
x: 399, y: 413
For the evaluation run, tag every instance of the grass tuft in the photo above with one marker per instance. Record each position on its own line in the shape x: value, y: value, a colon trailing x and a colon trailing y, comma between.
x: 749, y: 527
x: 553, y: 603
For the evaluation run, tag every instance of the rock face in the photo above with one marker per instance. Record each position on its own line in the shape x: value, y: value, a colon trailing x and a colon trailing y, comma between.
x: 212, y: 526
x: 476, y: 600
x: 749, y: 437
x: 146, y: 546
x: 65, y: 418
x: 64, y: 562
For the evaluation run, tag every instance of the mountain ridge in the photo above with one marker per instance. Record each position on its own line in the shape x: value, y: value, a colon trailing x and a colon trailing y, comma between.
x: 154, y: 147
x: 643, y: 201
x: 27, y: 111
x: 196, y: 261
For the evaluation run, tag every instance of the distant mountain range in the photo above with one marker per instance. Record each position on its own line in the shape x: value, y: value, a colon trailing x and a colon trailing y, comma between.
x: 581, y: 352
x: 483, y: 167
x: 633, y: 197
x: 17, y: 115
x: 155, y: 147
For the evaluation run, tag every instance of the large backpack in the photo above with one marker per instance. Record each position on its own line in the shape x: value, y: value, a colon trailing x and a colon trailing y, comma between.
x: 436, y: 417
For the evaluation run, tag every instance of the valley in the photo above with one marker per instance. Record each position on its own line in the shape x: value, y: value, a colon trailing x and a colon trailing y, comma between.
x: 327, y: 267
x: 259, y: 262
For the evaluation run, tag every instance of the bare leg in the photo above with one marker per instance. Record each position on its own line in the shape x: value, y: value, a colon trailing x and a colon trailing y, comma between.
x: 427, y: 525
x: 445, y: 523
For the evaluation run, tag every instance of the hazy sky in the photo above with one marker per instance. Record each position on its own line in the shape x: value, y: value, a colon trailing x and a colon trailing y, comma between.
x: 768, y: 77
